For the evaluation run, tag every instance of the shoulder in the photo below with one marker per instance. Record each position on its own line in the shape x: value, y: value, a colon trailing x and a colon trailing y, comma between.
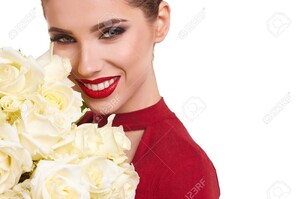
x: 187, y: 171
x: 170, y: 138
x: 190, y: 179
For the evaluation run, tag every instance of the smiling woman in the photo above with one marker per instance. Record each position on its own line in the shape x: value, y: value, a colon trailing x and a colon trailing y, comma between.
x: 110, y: 45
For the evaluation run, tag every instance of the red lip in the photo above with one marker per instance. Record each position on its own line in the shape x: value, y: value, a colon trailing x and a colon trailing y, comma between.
x: 98, y: 94
x: 96, y: 81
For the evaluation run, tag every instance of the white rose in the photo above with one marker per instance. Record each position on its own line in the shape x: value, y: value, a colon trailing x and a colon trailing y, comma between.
x: 2, y: 116
x: 126, y: 184
x: 62, y: 103
x: 18, y: 74
x: 101, y: 174
x: 14, y: 159
x: 115, y: 141
x: 56, y: 67
x: 10, y: 105
x: 8, y: 132
x: 58, y: 180
x: 88, y: 140
x: 109, y: 142
x: 20, y: 191
x: 65, y: 149
x: 58, y: 91
x: 109, y: 180
x: 80, y: 142
x: 37, y: 132
x: 11, y: 194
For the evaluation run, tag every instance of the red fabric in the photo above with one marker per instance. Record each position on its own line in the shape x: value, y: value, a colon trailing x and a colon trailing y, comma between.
x: 170, y: 164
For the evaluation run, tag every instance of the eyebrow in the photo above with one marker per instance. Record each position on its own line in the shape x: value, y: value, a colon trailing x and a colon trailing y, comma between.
x: 55, y: 29
x: 107, y: 23
x: 94, y: 28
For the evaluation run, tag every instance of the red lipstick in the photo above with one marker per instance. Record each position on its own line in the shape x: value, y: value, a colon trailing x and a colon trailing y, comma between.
x: 99, y: 88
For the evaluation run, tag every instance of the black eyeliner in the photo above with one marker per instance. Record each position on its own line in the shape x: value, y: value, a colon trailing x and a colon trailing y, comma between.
x: 57, y: 37
x: 120, y: 30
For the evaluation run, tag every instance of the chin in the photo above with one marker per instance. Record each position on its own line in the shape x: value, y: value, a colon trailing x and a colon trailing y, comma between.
x: 102, y: 108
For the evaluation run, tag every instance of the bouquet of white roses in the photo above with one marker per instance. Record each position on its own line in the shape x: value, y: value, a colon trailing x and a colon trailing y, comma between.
x: 43, y: 154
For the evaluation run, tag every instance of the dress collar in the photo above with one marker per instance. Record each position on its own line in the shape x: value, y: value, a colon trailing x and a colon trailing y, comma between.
x: 135, y: 120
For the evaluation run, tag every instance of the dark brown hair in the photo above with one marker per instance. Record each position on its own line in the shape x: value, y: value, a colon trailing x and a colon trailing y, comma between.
x: 149, y: 7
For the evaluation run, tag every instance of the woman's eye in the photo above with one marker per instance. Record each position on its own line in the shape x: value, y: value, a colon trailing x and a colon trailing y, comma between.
x: 111, y: 32
x: 63, y: 39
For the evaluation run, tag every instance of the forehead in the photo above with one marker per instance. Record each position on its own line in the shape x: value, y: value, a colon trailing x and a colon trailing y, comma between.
x: 74, y: 13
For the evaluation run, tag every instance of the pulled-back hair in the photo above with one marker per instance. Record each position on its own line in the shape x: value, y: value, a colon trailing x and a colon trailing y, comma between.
x: 149, y: 7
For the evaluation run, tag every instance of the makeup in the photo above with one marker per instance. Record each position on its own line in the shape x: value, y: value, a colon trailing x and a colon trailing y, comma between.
x: 110, y: 47
x: 111, y: 32
x: 99, y: 88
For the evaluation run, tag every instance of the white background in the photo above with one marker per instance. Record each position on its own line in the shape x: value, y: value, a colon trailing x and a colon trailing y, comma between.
x: 230, y: 71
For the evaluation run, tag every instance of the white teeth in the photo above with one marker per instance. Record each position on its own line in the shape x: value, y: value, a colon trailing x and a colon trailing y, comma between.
x: 100, y: 86
x: 106, y: 84
x: 94, y: 87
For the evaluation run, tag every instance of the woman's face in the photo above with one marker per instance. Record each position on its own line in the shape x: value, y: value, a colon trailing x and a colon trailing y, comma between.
x: 110, y: 45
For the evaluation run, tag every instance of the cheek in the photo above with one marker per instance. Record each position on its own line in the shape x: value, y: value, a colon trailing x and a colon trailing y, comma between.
x: 135, y: 54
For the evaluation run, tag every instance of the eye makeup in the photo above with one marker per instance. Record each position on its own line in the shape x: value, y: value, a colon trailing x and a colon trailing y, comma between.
x: 62, y: 39
x: 111, y: 32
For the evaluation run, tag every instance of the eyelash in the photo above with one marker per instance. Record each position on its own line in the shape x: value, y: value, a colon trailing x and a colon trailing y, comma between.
x: 58, y: 38
x: 112, y: 31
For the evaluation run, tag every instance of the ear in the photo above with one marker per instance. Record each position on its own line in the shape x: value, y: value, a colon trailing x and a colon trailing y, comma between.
x: 162, y: 23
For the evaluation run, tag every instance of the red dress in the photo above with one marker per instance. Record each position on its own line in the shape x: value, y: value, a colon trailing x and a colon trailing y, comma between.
x: 169, y: 162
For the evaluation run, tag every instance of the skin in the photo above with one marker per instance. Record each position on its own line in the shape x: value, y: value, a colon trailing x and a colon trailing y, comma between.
x: 128, y: 55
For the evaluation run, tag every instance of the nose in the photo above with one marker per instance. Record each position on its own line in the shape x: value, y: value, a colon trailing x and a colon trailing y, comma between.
x: 89, y: 61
